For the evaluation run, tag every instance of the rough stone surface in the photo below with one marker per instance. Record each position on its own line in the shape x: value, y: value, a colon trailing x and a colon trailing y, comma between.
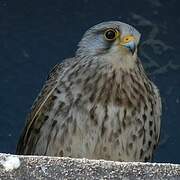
x: 42, y: 167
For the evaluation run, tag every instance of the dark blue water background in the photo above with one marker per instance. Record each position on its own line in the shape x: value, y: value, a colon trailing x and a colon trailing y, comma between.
x: 35, y: 35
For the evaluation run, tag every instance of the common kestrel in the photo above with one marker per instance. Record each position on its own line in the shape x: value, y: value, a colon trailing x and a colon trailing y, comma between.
x: 100, y: 104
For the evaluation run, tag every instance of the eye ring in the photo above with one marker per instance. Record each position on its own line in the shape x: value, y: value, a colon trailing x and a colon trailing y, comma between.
x: 110, y: 34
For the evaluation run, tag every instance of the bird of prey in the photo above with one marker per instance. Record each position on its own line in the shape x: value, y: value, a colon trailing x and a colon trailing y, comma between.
x: 100, y: 104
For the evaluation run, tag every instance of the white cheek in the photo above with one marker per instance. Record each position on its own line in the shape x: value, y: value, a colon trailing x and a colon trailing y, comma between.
x: 120, y: 58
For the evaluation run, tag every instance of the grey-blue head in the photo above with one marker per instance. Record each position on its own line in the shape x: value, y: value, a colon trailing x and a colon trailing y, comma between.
x: 108, y: 37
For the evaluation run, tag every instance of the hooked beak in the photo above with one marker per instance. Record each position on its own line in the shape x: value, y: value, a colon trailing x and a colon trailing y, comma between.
x: 131, y: 46
x: 129, y: 43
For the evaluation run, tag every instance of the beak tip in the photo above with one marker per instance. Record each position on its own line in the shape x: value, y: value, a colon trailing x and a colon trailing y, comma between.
x: 131, y: 46
x: 132, y: 49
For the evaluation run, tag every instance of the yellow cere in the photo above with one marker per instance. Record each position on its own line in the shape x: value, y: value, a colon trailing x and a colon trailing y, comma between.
x: 127, y: 39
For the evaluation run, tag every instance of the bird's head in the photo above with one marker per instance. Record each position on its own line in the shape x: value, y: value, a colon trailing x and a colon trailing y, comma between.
x: 112, y: 41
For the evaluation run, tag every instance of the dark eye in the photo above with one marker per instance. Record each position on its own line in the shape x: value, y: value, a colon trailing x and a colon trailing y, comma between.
x: 110, y: 34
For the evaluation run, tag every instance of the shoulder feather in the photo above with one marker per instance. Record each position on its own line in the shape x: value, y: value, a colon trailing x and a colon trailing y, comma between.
x: 36, y: 116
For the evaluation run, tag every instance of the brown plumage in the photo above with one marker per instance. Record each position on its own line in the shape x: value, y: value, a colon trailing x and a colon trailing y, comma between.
x: 99, y: 104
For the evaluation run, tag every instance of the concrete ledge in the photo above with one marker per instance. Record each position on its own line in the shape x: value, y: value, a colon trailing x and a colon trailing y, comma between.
x: 43, y: 167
